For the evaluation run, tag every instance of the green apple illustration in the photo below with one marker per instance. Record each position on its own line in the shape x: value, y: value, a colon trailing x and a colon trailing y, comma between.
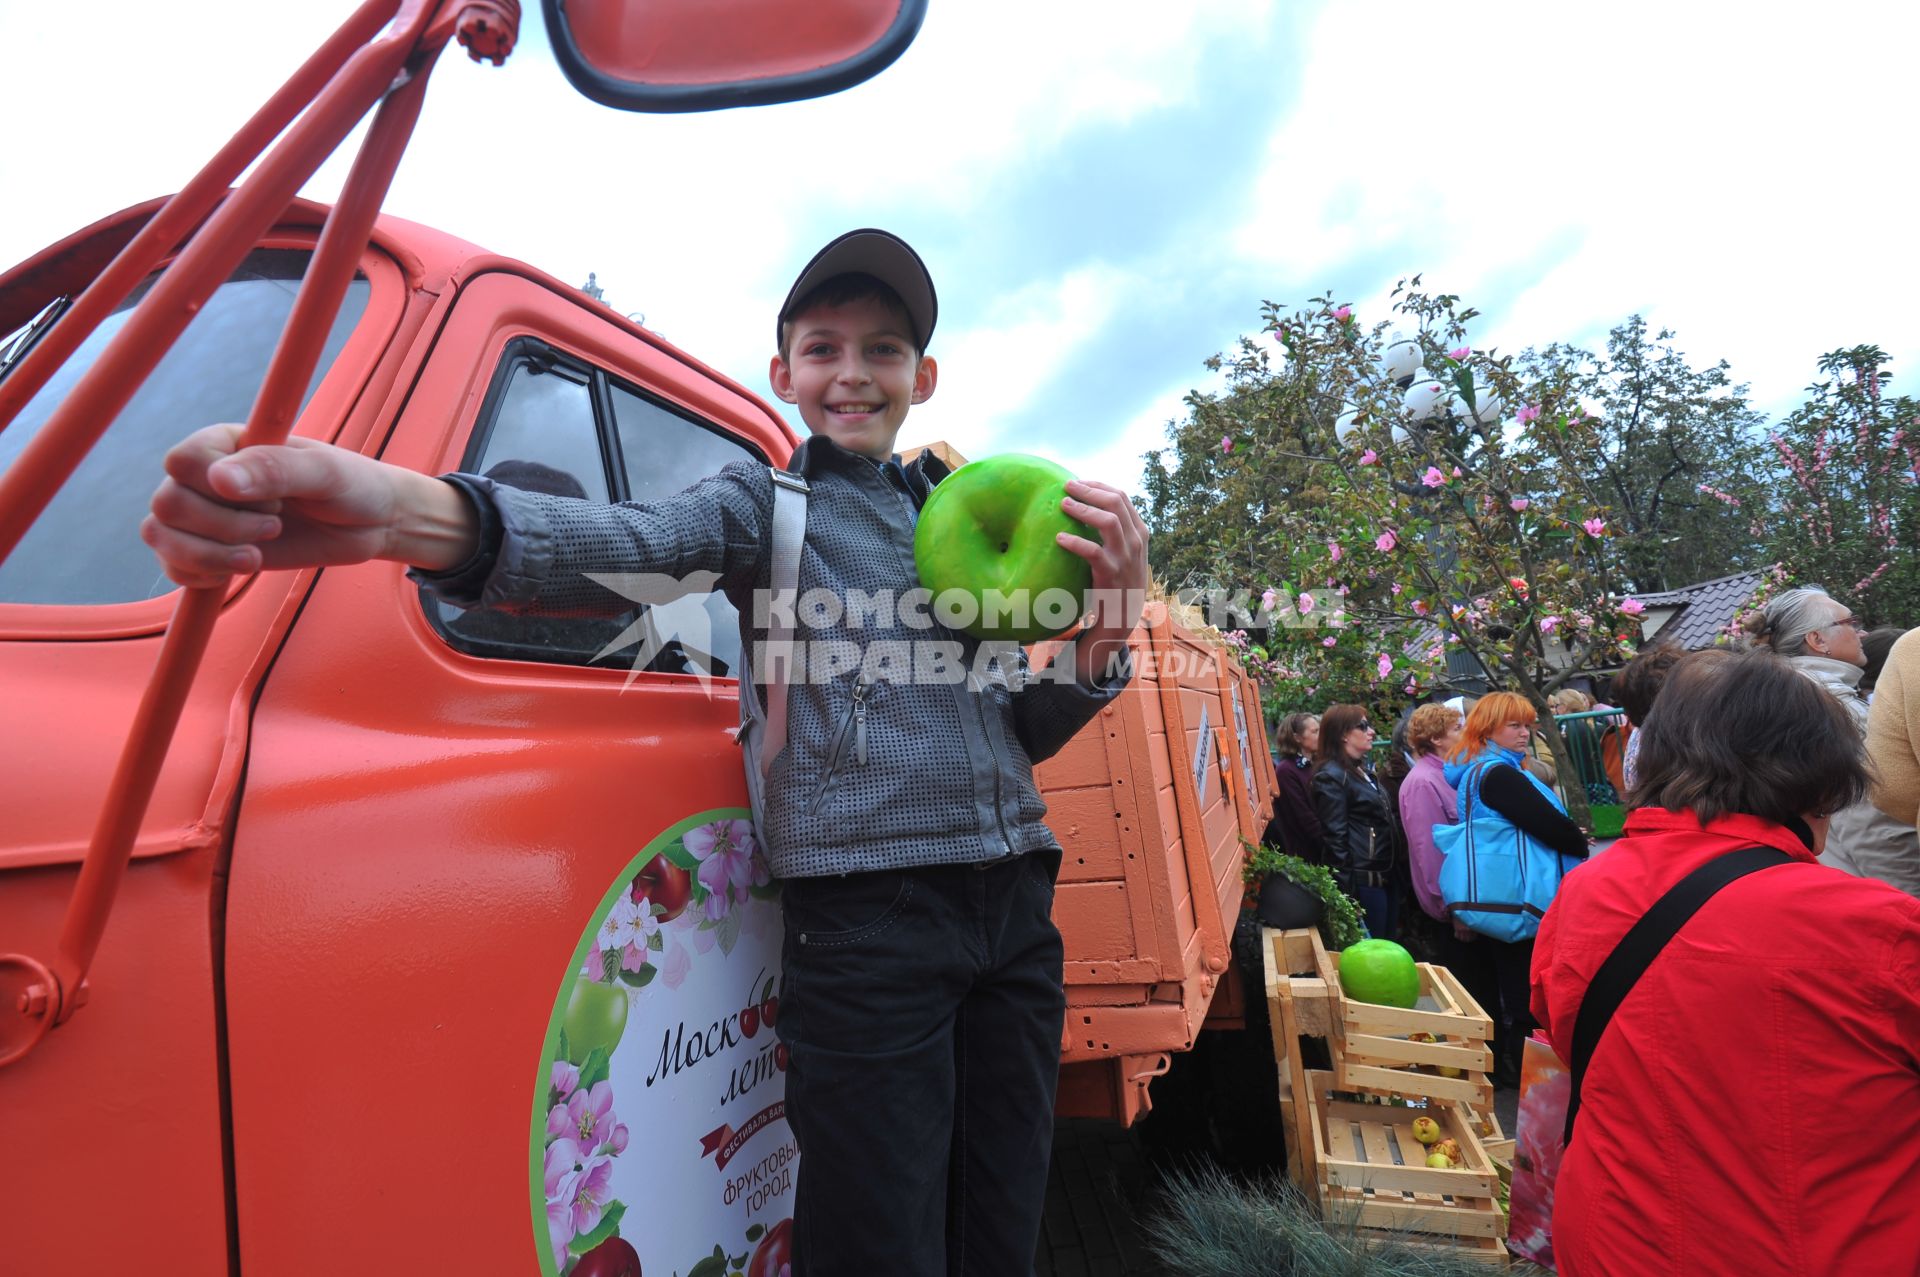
x: 991, y: 526
x: 596, y: 1017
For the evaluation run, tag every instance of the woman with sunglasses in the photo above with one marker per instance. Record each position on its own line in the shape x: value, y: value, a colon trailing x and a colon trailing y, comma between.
x: 1356, y: 820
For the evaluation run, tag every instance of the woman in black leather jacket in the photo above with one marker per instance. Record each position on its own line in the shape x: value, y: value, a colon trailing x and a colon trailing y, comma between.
x: 1356, y: 820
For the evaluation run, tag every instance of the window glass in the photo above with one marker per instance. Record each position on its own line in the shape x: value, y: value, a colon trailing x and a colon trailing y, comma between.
x: 545, y: 436
x: 85, y: 547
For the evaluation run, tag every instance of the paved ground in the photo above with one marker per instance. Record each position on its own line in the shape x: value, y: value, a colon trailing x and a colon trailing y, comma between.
x: 1099, y: 1187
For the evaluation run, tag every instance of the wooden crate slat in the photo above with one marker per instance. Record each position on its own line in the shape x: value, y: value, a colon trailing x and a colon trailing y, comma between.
x: 1465, y: 1217
x: 1370, y: 1048
x: 1472, y: 1089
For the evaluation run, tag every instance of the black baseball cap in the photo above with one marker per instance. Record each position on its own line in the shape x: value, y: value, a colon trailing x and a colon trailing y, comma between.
x: 887, y: 258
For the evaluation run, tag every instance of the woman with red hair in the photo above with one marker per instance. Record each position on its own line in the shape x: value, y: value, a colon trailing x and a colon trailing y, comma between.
x: 1487, y: 773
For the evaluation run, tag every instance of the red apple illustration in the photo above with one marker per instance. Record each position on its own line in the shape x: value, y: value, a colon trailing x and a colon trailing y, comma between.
x: 665, y: 884
x: 750, y: 1021
x: 769, y: 1009
x: 774, y: 1252
x: 780, y: 1057
x: 611, y: 1258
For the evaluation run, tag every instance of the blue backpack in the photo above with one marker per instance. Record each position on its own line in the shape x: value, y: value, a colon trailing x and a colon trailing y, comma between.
x: 1495, y: 879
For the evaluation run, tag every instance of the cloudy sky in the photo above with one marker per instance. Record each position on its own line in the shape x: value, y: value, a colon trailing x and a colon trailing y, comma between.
x: 1106, y: 192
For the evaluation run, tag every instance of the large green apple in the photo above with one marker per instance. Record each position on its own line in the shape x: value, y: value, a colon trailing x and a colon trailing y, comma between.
x: 596, y: 1017
x: 1380, y: 972
x: 987, y: 535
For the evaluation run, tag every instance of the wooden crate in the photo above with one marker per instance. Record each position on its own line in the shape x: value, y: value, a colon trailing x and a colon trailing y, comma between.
x: 1372, y: 1172
x: 1374, y: 1053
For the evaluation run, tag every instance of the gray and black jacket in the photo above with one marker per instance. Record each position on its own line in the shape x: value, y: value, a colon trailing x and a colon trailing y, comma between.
x: 884, y: 768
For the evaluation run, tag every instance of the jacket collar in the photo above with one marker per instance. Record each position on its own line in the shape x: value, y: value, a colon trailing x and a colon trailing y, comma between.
x: 817, y: 454
x: 1737, y: 830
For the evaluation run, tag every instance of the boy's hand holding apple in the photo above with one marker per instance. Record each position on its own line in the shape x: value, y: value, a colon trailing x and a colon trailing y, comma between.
x: 1119, y: 562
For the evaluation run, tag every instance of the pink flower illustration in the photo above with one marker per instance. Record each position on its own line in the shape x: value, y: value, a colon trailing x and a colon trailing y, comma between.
x: 1385, y: 543
x: 566, y: 1078
x: 1459, y: 353
x: 584, y: 1194
x: 1385, y: 665
x: 1520, y: 503
x: 677, y: 963
x: 1596, y: 527
x: 589, y: 1120
x: 1632, y: 607
x: 1433, y: 478
x: 1369, y: 457
x: 559, y: 1170
x: 729, y: 862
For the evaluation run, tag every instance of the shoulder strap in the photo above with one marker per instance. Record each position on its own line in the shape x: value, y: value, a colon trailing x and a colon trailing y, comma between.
x: 789, y: 533
x: 1642, y: 944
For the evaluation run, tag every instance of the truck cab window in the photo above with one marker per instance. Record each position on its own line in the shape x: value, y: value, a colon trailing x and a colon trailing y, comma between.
x: 85, y: 547
x: 554, y: 425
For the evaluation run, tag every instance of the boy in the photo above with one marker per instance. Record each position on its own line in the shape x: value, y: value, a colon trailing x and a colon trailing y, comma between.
x: 922, y: 1003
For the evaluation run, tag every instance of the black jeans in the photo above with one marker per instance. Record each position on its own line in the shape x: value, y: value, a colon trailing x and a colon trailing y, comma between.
x: 922, y: 1009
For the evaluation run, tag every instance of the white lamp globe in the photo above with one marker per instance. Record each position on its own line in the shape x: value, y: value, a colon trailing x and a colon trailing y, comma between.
x: 1423, y: 399
x: 1488, y: 406
x: 1402, y: 359
x: 1345, y: 424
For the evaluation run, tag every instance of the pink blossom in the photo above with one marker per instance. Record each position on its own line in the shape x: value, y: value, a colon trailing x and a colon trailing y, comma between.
x: 1305, y: 604
x: 1433, y: 478
x: 1267, y: 599
x: 1519, y: 504
x: 1632, y: 607
x: 559, y: 1170
x: 1518, y: 584
x: 1334, y: 551
x: 1328, y: 641
x: 584, y: 1194
x: 1226, y: 445
x: 676, y: 964
x: 1385, y: 665
x: 1529, y: 413
x: 566, y: 1078
x: 1396, y: 587
x: 1420, y: 607
x: 1456, y: 472
x: 589, y: 1120
x: 1343, y: 313
x: 1548, y: 624
x: 1596, y: 527
x: 1369, y: 457
x: 1459, y: 353
x: 729, y: 862
x: 1385, y: 543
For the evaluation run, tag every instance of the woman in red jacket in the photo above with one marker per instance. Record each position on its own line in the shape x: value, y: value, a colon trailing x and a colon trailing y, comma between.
x: 1754, y: 1105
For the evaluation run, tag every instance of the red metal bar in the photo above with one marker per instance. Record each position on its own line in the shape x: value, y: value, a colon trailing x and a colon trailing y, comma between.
x: 344, y: 239
x: 184, y: 211
x: 77, y: 424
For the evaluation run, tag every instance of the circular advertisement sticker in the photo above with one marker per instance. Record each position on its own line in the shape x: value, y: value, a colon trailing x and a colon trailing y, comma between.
x: 660, y: 1139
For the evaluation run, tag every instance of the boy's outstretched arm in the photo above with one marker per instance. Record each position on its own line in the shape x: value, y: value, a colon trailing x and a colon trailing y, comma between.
x: 1119, y: 563
x: 223, y: 510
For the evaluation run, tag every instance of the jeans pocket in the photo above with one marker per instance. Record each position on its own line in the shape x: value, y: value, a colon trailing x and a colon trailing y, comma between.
x: 833, y: 911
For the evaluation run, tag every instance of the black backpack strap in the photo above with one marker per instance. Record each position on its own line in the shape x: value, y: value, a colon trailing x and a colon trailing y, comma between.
x: 1642, y: 944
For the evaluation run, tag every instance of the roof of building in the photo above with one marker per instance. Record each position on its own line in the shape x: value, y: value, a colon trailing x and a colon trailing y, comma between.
x: 1705, y: 609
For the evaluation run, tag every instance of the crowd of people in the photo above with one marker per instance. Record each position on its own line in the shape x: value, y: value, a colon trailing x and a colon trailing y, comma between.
x: 1768, y: 1059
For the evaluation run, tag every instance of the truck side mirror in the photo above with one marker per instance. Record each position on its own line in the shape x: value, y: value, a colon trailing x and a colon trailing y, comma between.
x: 667, y: 56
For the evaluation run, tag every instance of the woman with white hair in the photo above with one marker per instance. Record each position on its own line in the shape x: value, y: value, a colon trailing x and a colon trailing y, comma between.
x: 1821, y: 638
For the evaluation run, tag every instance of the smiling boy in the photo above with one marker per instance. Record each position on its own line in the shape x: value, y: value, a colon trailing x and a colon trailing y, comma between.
x: 922, y: 1000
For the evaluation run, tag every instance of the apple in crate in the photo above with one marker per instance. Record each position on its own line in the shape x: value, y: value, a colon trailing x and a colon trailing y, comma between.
x: 1381, y: 972
x: 1426, y: 1130
x: 989, y: 532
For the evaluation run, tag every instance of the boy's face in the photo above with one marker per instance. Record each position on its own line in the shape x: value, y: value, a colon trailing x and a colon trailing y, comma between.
x: 853, y: 372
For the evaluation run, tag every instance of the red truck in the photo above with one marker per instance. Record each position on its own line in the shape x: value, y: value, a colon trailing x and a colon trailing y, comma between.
x: 312, y: 931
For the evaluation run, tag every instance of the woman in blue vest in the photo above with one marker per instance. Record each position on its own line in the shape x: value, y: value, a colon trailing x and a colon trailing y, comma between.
x: 1486, y: 772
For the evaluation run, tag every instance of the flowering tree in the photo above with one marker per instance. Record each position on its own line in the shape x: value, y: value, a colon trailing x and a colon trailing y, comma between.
x: 1850, y: 508
x: 1432, y: 506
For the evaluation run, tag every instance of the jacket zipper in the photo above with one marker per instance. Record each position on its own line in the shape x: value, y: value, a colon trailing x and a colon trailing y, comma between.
x: 855, y: 720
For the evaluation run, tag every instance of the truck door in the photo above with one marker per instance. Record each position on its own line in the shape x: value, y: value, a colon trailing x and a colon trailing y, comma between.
x: 488, y: 1010
x: 111, y: 1148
